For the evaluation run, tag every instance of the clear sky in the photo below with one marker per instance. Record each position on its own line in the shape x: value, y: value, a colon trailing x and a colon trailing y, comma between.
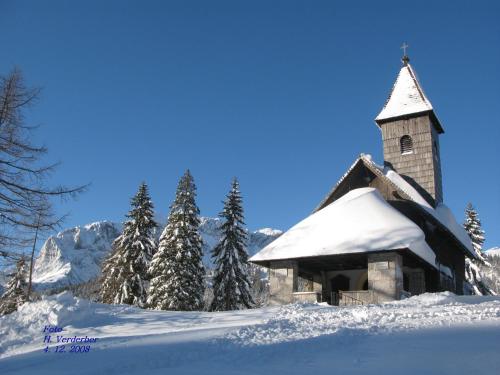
x: 281, y: 94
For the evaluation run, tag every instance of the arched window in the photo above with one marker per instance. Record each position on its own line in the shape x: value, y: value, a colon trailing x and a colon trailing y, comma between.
x: 339, y: 283
x: 406, y: 144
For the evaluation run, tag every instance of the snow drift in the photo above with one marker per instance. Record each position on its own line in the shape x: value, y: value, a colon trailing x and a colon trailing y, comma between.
x: 428, y: 334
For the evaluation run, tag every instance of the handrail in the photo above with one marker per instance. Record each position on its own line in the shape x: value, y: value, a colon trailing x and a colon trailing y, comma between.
x: 344, y: 298
x: 353, y: 299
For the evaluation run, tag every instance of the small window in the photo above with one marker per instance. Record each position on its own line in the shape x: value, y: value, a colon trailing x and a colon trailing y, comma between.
x: 406, y: 144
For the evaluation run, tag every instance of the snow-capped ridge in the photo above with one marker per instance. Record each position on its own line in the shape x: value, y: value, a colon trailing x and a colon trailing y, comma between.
x: 74, y: 255
x: 269, y: 232
x: 494, y: 251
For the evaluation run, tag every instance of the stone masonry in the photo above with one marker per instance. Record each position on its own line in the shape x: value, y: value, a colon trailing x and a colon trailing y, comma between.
x: 385, y: 276
x: 282, y: 282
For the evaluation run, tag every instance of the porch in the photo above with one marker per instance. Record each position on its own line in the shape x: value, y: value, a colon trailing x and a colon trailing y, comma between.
x: 354, y: 279
x: 340, y: 298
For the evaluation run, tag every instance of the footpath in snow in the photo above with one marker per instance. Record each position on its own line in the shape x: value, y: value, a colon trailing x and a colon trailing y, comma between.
x: 429, y: 334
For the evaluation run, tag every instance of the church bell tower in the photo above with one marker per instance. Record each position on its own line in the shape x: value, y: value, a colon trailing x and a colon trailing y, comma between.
x: 410, y: 135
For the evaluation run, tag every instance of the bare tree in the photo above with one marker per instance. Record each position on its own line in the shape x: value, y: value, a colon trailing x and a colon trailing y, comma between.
x: 25, y: 197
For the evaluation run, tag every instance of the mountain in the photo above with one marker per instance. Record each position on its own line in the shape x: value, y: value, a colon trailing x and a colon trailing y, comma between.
x: 74, y: 256
x: 494, y: 251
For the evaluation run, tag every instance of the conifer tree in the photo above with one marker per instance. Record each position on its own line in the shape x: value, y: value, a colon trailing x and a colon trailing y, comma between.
x: 16, y: 291
x: 473, y: 227
x: 177, y: 270
x: 125, y: 278
x: 473, y: 273
x: 231, y: 281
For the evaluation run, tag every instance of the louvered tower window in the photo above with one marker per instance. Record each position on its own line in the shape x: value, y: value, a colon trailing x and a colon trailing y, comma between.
x: 406, y: 144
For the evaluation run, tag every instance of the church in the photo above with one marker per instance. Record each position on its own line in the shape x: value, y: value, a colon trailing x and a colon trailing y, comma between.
x: 383, y: 232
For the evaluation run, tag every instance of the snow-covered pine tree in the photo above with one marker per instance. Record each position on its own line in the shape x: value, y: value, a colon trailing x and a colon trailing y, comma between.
x: 231, y: 285
x: 125, y: 277
x: 473, y: 272
x: 259, y: 284
x: 473, y: 227
x: 16, y: 292
x: 177, y: 271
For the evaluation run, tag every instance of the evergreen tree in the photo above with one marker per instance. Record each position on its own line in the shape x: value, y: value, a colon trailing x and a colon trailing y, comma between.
x: 177, y: 271
x: 16, y: 291
x: 231, y: 280
x: 473, y: 273
x: 473, y: 227
x: 125, y: 277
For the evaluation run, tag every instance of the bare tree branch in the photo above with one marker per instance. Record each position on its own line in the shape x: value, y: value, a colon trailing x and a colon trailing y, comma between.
x: 25, y: 197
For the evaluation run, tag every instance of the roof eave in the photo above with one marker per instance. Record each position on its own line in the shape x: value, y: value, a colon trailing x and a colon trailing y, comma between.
x: 429, y: 112
x: 267, y: 262
x: 376, y: 171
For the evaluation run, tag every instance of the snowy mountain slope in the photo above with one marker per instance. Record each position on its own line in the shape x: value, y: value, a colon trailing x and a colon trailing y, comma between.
x: 74, y: 255
x: 428, y: 334
x: 494, y: 251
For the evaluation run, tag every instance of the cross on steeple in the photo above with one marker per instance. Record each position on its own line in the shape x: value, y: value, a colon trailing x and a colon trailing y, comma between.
x: 405, y: 58
x: 404, y: 47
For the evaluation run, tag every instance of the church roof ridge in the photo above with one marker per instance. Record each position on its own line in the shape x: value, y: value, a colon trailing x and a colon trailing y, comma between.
x: 441, y: 213
x: 360, y: 221
x: 407, y: 97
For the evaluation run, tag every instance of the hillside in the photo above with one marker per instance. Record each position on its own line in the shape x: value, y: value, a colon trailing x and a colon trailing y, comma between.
x: 494, y: 251
x: 428, y: 334
x: 74, y: 255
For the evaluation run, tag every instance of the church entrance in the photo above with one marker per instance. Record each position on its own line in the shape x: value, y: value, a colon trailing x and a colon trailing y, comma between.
x: 339, y: 282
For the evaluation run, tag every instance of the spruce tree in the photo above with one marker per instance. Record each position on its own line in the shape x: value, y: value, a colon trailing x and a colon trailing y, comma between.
x: 177, y: 270
x: 473, y: 273
x: 16, y: 291
x: 125, y: 278
x: 473, y: 227
x: 231, y: 283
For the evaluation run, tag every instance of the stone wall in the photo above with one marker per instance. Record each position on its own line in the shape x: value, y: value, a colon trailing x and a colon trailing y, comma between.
x: 357, y: 297
x: 385, y: 276
x: 309, y: 297
x: 283, y: 277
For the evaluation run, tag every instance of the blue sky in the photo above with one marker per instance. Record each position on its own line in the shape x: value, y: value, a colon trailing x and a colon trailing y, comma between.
x: 281, y: 94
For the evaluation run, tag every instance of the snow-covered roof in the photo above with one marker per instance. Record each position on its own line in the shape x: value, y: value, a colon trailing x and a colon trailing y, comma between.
x: 406, y: 97
x: 441, y: 213
x: 360, y: 221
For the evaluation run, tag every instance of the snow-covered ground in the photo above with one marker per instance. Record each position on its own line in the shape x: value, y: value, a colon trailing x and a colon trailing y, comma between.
x: 429, y: 334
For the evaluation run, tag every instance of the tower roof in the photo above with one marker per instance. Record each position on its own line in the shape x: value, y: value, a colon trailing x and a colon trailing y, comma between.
x: 407, y: 98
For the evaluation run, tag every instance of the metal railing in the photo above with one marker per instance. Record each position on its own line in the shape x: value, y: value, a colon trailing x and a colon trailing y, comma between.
x: 346, y: 298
